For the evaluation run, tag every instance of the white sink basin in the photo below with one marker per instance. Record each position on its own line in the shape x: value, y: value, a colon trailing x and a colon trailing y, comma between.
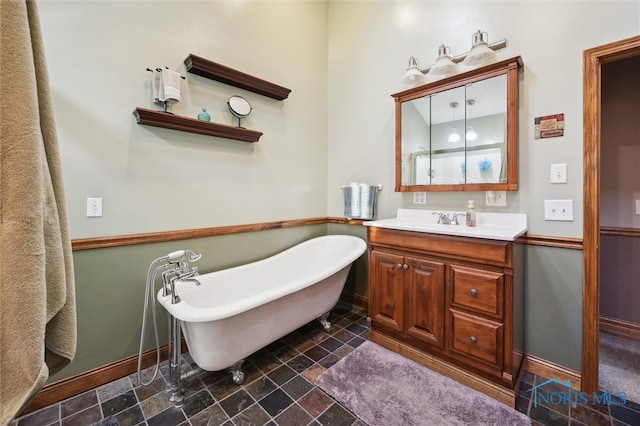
x: 495, y: 226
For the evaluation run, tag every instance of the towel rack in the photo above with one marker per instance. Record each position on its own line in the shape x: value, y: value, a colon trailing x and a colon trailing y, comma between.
x: 164, y: 103
x: 160, y: 69
x: 378, y: 186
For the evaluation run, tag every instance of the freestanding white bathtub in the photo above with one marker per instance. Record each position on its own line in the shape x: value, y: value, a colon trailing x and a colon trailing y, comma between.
x: 234, y: 312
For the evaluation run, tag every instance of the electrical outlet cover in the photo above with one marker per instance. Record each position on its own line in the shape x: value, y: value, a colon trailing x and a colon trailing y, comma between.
x: 496, y: 198
x: 419, y: 198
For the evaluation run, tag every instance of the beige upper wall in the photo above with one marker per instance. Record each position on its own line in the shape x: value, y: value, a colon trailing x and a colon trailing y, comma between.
x: 369, y: 46
x: 154, y: 179
x: 342, y: 61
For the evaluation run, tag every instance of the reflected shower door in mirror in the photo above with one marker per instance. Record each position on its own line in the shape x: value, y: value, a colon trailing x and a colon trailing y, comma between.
x: 486, y: 131
x: 416, y: 141
x: 459, y: 133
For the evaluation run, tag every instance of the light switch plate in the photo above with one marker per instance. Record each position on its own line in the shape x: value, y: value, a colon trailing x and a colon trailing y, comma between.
x: 94, y: 207
x: 558, y: 173
x: 637, y: 206
x: 561, y: 210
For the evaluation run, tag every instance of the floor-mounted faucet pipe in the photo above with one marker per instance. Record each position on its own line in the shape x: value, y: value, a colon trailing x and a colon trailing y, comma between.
x: 174, y: 263
x: 174, y: 387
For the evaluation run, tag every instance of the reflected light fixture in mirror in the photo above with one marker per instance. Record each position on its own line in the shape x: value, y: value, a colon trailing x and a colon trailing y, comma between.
x: 481, y: 53
x: 471, y: 135
x: 454, y: 136
x: 444, y: 66
x: 413, y: 74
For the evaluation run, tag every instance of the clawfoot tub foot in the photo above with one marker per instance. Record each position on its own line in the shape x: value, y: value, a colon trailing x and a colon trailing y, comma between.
x: 236, y: 372
x: 324, y: 320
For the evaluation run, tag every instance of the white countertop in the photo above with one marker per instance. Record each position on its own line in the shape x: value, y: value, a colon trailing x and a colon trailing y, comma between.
x: 494, y: 226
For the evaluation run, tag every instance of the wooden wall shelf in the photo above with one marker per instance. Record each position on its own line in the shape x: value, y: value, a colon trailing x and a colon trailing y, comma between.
x: 192, y: 125
x: 206, y: 68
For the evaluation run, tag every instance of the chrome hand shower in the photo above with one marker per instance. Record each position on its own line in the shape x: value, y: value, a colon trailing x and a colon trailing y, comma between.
x: 173, y: 259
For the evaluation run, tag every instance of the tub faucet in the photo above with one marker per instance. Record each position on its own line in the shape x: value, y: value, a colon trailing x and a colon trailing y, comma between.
x: 179, y: 270
x: 181, y: 273
x: 186, y: 274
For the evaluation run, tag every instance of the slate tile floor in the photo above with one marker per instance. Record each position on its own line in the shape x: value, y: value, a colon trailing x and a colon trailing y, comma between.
x: 278, y: 390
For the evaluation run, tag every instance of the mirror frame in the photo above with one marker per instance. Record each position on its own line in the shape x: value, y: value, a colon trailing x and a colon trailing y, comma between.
x: 510, y: 67
x: 234, y: 111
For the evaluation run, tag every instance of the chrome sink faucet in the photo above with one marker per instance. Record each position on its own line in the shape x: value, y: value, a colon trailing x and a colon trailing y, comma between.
x: 445, y: 219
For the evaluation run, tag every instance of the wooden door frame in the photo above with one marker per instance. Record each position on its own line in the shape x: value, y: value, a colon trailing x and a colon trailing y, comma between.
x: 592, y: 63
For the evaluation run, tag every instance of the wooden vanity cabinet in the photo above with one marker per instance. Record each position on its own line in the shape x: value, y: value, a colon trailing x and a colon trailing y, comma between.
x: 454, y: 304
x: 398, y: 278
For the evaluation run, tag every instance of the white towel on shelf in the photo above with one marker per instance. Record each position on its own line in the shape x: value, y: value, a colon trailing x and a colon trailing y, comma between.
x: 155, y: 85
x: 167, y: 88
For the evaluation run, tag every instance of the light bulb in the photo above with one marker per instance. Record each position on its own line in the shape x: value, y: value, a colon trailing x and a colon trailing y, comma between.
x: 471, y: 134
x: 481, y: 53
x: 454, y: 136
x: 444, y: 66
x: 413, y: 74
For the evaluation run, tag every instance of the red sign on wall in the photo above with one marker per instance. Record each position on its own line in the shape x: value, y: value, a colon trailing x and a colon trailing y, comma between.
x: 549, y: 126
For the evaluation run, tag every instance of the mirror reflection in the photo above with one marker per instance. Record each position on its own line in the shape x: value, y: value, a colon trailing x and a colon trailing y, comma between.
x: 239, y: 107
x: 456, y: 136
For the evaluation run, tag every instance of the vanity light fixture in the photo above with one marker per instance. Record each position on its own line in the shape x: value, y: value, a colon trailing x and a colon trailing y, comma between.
x: 444, y: 66
x: 454, y: 136
x: 413, y: 74
x: 471, y: 135
x: 481, y: 53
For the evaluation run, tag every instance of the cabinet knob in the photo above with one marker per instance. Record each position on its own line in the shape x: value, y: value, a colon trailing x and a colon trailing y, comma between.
x: 473, y: 292
x: 473, y: 339
x: 399, y: 266
x: 405, y: 266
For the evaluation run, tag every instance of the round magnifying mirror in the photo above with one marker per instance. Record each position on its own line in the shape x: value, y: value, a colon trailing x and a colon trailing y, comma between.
x: 239, y: 107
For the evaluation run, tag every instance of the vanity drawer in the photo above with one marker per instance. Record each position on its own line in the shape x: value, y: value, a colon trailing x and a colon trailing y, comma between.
x: 478, y: 290
x: 477, y: 250
x: 477, y: 337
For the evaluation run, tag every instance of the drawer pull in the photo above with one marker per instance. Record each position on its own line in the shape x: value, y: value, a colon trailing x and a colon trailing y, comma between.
x: 473, y: 339
x: 474, y: 292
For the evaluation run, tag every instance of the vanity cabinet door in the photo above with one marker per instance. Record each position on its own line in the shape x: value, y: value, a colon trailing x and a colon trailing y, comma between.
x: 386, y: 289
x: 424, y: 300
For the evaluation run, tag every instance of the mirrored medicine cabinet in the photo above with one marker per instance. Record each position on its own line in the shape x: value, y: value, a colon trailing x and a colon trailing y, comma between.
x: 460, y: 133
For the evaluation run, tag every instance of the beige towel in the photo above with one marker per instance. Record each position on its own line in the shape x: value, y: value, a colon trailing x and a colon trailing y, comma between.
x: 170, y: 86
x: 37, y: 293
x: 166, y: 86
x: 155, y: 85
